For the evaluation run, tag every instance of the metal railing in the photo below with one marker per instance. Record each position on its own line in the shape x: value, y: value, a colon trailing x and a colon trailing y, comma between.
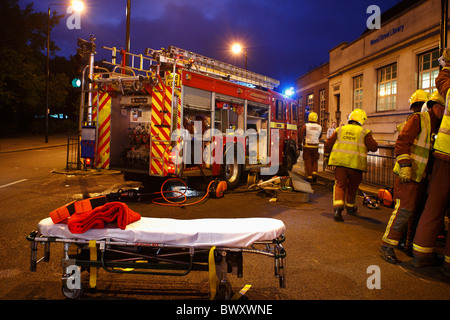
x: 73, y: 150
x: 380, y: 167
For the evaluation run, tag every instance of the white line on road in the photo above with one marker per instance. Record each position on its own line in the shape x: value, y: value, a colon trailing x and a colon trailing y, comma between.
x: 10, y: 184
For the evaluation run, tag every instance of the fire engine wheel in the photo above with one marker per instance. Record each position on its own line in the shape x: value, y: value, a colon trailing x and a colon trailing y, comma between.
x: 231, y: 173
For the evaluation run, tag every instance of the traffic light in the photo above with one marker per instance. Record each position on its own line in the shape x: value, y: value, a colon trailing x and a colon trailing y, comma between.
x: 80, y: 60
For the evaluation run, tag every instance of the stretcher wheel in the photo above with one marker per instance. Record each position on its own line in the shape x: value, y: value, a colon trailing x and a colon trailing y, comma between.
x: 71, y: 294
x: 224, y: 291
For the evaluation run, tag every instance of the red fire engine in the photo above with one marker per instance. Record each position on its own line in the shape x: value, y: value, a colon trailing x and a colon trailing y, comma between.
x: 171, y: 112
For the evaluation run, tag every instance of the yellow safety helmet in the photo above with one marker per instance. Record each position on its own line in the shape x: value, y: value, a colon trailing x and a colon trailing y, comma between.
x: 419, y: 96
x: 358, y: 115
x: 435, y: 98
x: 313, y: 117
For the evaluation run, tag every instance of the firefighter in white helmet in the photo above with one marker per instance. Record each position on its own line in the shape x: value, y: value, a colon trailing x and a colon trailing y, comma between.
x: 347, y: 150
x: 310, y: 134
x: 438, y: 202
x: 412, y: 168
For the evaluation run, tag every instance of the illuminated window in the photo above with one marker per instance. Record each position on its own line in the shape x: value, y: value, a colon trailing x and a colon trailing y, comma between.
x: 309, y: 106
x: 387, y: 88
x: 322, y: 103
x: 428, y: 70
x: 358, y: 92
x: 300, y: 110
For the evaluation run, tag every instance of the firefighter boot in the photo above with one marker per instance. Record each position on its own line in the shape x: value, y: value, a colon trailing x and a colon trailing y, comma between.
x: 388, y: 254
x: 425, y: 261
x: 352, y: 210
x: 338, y: 214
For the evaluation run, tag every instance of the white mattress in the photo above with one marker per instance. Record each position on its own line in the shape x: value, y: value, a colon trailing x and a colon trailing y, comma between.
x: 195, y: 233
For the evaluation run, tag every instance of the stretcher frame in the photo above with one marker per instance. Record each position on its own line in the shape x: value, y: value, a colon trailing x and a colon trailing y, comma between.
x: 153, y: 259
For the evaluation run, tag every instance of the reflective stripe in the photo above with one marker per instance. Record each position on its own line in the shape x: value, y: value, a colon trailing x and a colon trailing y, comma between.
x: 388, y: 227
x: 423, y: 249
x: 336, y: 202
x: 447, y: 259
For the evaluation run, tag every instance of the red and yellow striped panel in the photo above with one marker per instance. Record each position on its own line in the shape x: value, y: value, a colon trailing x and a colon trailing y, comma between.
x: 160, y: 128
x: 104, y: 128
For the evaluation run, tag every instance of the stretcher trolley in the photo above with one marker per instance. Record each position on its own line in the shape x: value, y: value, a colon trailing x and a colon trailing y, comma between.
x: 163, y: 246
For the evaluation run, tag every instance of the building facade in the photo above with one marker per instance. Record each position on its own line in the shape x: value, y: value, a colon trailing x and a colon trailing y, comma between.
x: 379, y: 71
x: 312, y: 90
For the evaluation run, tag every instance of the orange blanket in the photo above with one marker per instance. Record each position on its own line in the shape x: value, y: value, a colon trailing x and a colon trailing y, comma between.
x: 112, y: 212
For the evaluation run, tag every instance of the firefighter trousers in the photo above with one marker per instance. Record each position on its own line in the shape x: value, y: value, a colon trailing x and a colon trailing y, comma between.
x: 311, y: 161
x: 432, y: 218
x: 410, y: 198
x: 345, y: 187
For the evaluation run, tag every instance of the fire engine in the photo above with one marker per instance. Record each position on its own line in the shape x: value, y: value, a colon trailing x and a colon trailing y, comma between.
x: 172, y: 112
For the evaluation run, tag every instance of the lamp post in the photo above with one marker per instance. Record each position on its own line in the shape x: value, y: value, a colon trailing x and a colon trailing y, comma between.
x: 77, y: 6
x: 237, y: 48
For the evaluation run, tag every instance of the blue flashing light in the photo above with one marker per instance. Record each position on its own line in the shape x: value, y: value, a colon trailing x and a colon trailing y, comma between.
x: 289, y: 92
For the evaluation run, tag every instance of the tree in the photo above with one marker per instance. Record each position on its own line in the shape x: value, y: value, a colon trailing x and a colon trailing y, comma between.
x: 22, y: 64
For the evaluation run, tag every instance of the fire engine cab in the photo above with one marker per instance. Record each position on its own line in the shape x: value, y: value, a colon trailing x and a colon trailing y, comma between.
x: 171, y: 112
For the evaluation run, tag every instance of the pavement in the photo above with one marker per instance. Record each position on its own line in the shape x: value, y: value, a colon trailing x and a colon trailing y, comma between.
x: 25, y: 143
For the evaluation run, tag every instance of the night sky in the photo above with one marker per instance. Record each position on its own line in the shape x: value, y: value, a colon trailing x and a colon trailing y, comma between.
x: 284, y: 38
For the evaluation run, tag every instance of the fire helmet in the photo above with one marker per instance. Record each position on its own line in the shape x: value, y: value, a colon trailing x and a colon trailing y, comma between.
x: 312, y: 117
x: 358, y: 115
x: 420, y: 96
x: 435, y: 98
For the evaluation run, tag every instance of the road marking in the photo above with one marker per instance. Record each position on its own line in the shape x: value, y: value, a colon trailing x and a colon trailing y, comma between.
x: 12, y: 183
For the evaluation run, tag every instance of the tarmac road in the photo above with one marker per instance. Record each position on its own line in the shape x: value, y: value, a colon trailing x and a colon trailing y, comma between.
x: 326, y: 260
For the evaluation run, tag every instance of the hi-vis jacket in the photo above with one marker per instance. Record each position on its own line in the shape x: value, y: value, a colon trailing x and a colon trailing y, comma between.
x: 349, y: 149
x: 419, y: 151
x: 442, y: 142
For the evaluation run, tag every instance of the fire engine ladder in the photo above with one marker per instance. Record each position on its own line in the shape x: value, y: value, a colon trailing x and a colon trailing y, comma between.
x: 225, y: 70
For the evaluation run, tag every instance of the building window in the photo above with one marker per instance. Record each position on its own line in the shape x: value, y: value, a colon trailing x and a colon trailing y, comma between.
x: 387, y: 88
x: 322, y: 103
x: 309, y: 106
x: 358, y: 92
x: 300, y: 111
x: 428, y: 70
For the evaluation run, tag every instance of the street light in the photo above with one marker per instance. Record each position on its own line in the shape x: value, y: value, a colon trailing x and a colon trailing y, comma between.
x: 237, y: 49
x: 77, y: 6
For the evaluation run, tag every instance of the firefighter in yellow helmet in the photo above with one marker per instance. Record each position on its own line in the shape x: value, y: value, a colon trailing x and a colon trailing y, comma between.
x: 347, y: 150
x: 310, y: 134
x: 412, y: 168
x: 418, y: 98
x: 438, y: 202
x: 416, y: 103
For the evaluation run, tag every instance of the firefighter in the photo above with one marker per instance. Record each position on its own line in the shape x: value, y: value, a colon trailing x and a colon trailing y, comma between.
x: 438, y: 202
x: 347, y: 150
x: 412, y: 149
x: 416, y: 102
x: 310, y: 135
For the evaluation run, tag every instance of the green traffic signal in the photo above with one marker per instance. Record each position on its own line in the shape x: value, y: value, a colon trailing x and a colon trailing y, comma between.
x: 76, y: 83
